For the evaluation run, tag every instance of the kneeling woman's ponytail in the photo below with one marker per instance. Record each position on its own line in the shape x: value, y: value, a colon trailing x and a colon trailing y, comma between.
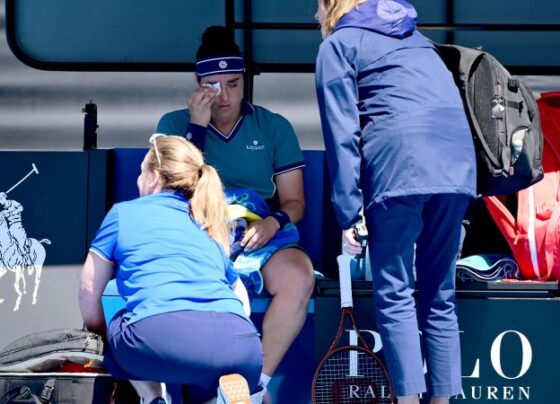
x: 182, y: 168
x: 208, y: 205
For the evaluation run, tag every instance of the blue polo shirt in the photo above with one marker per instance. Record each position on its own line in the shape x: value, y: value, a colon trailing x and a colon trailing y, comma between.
x: 261, y: 145
x: 164, y: 262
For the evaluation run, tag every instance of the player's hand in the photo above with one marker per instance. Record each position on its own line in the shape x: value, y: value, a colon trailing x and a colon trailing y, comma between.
x: 349, y: 243
x: 200, y: 104
x: 259, y: 233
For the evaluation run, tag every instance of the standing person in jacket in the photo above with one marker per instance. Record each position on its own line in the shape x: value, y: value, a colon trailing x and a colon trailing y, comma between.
x: 186, y: 317
x: 399, y: 146
x: 253, y: 148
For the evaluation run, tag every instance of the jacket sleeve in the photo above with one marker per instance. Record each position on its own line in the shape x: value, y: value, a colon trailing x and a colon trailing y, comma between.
x: 337, y: 94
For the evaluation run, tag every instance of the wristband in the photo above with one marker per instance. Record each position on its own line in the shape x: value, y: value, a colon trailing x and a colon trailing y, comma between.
x: 281, y: 217
x: 196, y: 134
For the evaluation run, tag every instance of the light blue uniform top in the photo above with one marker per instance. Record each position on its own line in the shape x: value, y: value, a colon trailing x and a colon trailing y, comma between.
x: 261, y: 145
x: 164, y: 262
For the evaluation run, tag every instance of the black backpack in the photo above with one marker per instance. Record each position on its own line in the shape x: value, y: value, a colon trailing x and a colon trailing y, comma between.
x: 504, y: 120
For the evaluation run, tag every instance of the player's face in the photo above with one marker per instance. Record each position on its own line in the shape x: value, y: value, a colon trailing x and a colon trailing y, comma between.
x: 227, y: 104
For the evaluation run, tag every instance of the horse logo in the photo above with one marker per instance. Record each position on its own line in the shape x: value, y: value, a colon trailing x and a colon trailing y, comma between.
x: 17, y: 251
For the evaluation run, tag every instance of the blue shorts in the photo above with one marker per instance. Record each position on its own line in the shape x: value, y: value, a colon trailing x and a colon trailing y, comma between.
x: 190, y: 348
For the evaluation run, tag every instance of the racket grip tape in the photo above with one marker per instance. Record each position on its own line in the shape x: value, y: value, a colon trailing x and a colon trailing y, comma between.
x: 345, y: 281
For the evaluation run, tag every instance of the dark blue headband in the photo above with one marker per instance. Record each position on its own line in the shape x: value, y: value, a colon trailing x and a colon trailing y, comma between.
x: 220, y: 65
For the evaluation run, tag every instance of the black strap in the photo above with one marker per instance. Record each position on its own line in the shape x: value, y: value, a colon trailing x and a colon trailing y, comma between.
x: 20, y: 393
x: 24, y: 393
x: 513, y: 85
x: 47, y: 391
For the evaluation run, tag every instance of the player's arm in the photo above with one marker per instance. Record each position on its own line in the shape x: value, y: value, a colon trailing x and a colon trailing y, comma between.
x: 292, y: 203
x: 290, y: 194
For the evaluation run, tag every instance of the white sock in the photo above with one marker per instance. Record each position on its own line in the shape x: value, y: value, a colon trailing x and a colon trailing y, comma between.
x: 265, y: 379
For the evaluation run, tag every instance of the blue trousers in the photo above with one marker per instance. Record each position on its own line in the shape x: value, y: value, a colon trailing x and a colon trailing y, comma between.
x: 189, y: 348
x: 433, y: 223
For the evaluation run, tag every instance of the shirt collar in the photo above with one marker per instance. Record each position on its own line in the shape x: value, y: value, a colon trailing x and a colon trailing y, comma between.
x: 247, y: 108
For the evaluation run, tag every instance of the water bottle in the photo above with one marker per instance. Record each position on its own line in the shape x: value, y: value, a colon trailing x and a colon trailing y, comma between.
x: 517, y: 140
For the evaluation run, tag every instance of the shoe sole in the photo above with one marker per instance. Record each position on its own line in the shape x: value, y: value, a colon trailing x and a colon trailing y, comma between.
x: 235, y: 389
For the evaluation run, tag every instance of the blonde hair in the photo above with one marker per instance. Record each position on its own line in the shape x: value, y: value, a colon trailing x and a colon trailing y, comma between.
x: 182, y: 168
x: 334, y: 11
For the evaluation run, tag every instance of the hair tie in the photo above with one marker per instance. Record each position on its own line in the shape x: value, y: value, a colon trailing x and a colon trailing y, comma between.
x: 200, y: 170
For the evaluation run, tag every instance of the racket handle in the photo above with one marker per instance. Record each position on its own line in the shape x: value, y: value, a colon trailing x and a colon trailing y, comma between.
x: 345, y: 280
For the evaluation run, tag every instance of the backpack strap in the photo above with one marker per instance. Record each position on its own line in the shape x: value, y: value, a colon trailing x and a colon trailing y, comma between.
x: 47, y: 392
x: 25, y: 393
x: 19, y: 393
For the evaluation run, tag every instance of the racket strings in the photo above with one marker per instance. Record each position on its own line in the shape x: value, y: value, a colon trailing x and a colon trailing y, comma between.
x: 352, y: 376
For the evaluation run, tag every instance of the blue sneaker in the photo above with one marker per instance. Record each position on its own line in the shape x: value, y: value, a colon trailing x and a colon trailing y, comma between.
x: 233, y: 389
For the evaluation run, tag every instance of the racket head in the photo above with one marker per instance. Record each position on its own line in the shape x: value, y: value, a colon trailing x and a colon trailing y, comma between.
x: 350, y: 375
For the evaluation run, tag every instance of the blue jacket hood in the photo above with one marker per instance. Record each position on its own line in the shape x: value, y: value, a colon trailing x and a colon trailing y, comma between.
x: 395, y: 18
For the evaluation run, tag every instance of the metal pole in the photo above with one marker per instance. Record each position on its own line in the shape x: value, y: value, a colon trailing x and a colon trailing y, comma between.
x: 248, y: 49
x: 450, y: 19
x: 90, y: 126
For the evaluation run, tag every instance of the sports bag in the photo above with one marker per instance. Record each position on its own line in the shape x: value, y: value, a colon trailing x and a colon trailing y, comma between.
x: 534, y: 234
x: 504, y: 120
x: 49, y: 350
x: 62, y: 366
x: 64, y: 388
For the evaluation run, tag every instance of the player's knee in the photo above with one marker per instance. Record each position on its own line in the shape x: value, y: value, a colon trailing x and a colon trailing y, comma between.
x: 302, y: 283
x: 307, y: 282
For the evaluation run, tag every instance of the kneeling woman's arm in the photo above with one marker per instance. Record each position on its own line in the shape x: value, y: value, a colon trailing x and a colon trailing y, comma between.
x: 97, y: 272
x: 241, y: 292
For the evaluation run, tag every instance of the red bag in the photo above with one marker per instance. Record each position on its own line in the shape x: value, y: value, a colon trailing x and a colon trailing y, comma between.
x: 534, y: 236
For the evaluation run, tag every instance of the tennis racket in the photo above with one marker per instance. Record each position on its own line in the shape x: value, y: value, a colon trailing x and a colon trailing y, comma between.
x: 350, y: 374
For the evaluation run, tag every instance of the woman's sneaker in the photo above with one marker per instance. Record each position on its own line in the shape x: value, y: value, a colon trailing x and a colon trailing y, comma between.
x: 233, y: 390
x: 259, y: 396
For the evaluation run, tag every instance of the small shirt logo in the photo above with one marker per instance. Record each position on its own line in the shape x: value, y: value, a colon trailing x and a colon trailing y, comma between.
x: 255, y: 146
x: 222, y: 64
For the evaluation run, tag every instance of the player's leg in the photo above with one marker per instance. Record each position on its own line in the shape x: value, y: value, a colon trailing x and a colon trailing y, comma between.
x: 289, y: 278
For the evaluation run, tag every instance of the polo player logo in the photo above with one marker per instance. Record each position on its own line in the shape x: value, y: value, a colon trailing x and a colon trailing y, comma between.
x: 17, y: 251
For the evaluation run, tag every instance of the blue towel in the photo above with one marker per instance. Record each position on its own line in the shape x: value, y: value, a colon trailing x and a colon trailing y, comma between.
x: 244, y: 207
x: 487, y: 267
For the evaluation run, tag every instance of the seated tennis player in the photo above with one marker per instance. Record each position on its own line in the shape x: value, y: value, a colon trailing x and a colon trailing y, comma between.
x: 253, y: 148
